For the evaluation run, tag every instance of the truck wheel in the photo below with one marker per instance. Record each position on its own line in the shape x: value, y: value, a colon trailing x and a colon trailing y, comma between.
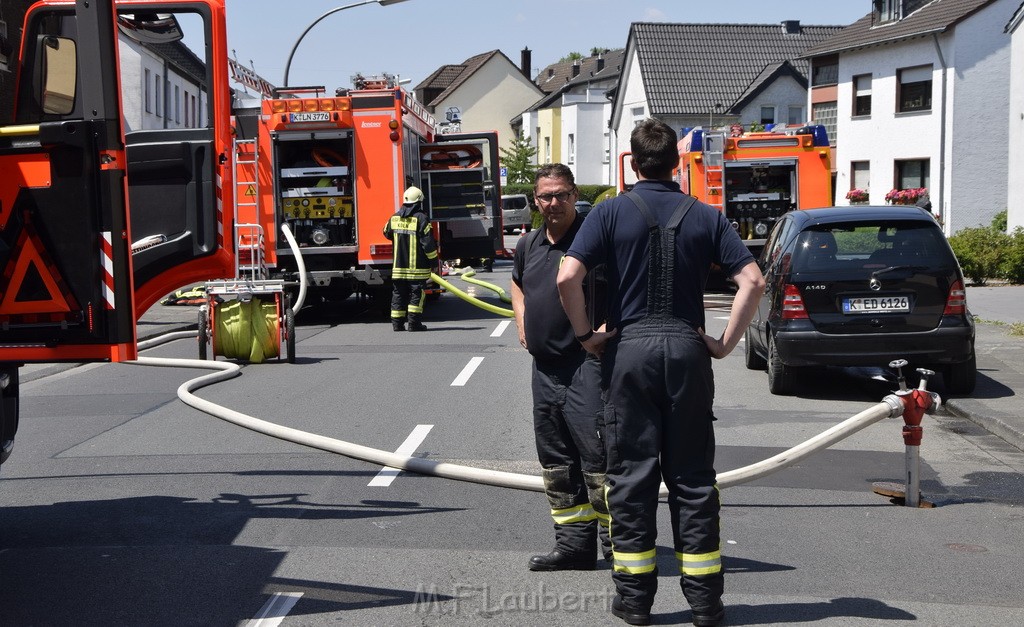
x: 753, y: 360
x: 289, y: 330
x: 961, y: 378
x: 203, y: 332
x: 780, y: 376
x: 8, y: 410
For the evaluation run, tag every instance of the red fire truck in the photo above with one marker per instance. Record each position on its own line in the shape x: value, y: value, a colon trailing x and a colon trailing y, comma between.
x: 334, y: 168
x: 752, y: 177
x: 755, y: 177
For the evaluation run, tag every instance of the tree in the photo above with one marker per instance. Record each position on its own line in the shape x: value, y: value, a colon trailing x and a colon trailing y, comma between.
x: 572, y: 56
x: 519, y: 159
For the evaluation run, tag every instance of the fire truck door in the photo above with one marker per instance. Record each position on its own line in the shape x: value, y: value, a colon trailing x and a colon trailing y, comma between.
x: 65, y: 289
x: 462, y: 181
x: 172, y: 158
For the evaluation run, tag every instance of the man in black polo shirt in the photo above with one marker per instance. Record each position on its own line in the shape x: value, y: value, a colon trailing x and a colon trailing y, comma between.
x: 566, y: 394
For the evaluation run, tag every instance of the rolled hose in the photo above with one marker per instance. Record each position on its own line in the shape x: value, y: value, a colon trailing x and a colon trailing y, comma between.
x: 246, y: 330
x: 501, y: 311
x: 889, y: 407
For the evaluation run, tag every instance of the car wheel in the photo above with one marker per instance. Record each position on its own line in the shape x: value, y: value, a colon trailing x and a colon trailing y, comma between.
x: 754, y: 361
x: 961, y: 378
x: 780, y: 376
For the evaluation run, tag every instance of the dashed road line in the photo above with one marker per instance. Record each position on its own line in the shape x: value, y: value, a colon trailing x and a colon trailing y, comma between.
x: 275, y: 609
x: 467, y: 372
x: 388, y: 474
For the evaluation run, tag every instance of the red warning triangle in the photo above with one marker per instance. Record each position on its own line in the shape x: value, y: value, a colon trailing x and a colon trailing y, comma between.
x: 32, y: 288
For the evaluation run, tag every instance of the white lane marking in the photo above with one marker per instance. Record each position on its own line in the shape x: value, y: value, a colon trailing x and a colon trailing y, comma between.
x: 274, y: 611
x: 388, y: 474
x: 467, y: 372
x: 501, y: 328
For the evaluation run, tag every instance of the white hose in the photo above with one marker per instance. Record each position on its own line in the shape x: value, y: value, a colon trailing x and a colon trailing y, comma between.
x: 300, y: 264
x: 889, y: 407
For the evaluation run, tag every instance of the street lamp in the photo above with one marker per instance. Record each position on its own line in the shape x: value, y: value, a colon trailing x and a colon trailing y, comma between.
x: 291, y: 54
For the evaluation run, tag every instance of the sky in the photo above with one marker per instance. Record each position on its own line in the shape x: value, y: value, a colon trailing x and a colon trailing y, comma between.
x: 413, y: 38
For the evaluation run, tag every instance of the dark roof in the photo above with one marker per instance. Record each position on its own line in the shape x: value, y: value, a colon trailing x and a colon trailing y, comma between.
x: 688, y: 68
x: 178, y: 54
x: 555, y: 76
x: 935, y: 17
x: 1017, y: 16
x: 456, y: 75
x: 611, y: 70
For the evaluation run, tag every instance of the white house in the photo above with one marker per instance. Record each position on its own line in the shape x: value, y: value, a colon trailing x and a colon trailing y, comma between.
x: 920, y: 94
x: 1015, y: 136
x: 570, y: 124
x: 712, y: 74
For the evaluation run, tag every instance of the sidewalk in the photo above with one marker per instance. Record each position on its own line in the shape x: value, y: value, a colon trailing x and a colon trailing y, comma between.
x: 995, y: 404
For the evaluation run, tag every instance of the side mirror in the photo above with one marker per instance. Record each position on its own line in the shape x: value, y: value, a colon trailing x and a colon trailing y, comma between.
x: 58, y: 74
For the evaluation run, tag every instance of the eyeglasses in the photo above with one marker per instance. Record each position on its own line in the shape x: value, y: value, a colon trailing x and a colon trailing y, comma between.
x: 547, y: 198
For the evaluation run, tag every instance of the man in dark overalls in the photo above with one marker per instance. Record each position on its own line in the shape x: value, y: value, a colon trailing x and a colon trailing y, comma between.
x: 565, y: 382
x: 658, y: 245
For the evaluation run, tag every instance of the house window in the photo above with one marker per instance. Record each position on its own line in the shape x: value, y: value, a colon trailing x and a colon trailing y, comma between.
x: 156, y: 94
x: 638, y: 115
x: 767, y: 115
x: 547, y: 150
x: 824, y: 71
x: 177, y: 104
x: 195, y: 120
x: 860, y: 175
x: 607, y: 148
x: 149, y: 94
x: 824, y: 113
x: 887, y: 10
x: 914, y: 91
x: 862, y: 94
x: 186, y: 108
x: 912, y: 173
x: 572, y: 148
x: 796, y: 115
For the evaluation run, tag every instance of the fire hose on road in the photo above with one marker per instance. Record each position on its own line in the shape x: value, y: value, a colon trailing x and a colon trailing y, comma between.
x: 913, y: 402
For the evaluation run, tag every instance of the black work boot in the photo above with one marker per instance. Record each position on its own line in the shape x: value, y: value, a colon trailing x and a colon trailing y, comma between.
x: 415, y: 324
x: 397, y: 324
x: 632, y: 616
x: 710, y: 616
x: 556, y: 560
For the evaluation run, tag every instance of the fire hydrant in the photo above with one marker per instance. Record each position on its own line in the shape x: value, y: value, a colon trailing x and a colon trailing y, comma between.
x: 915, y: 403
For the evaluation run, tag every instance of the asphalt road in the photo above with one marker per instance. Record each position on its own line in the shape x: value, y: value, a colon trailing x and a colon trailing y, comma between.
x: 123, y: 506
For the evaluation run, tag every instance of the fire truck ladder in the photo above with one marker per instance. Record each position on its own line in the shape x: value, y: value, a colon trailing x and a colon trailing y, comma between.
x: 249, y: 262
x: 714, y: 176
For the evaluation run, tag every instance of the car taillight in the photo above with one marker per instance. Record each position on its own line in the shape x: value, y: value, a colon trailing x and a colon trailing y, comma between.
x: 956, y: 302
x: 793, y: 304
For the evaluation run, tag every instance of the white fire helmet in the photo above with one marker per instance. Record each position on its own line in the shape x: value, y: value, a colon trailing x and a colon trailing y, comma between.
x: 412, y: 196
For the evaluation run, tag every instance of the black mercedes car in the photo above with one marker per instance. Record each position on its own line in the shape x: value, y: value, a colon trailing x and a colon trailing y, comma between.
x: 861, y: 286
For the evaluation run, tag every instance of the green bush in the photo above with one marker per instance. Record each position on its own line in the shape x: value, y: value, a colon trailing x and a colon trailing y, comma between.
x: 999, y: 221
x: 980, y: 250
x: 1012, y: 266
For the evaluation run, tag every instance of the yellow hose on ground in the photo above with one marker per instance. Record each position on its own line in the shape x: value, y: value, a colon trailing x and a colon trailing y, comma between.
x: 246, y: 330
x: 467, y: 275
x: 501, y: 311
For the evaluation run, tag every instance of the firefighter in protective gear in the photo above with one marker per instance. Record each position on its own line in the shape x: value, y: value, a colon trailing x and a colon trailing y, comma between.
x: 567, y: 403
x: 415, y: 252
x: 658, y: 380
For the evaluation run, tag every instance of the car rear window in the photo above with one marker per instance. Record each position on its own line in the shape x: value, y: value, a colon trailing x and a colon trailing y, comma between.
x: 516, y: 202
x: 872, y: 246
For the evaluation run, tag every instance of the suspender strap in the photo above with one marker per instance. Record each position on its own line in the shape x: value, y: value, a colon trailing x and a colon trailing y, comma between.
x: 661, y: 264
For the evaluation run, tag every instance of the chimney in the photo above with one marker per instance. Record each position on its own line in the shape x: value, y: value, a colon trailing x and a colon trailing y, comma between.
x: 575, y: 69
x: 600, y: 64
x: 791, y: 27
x: 525, y: 59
